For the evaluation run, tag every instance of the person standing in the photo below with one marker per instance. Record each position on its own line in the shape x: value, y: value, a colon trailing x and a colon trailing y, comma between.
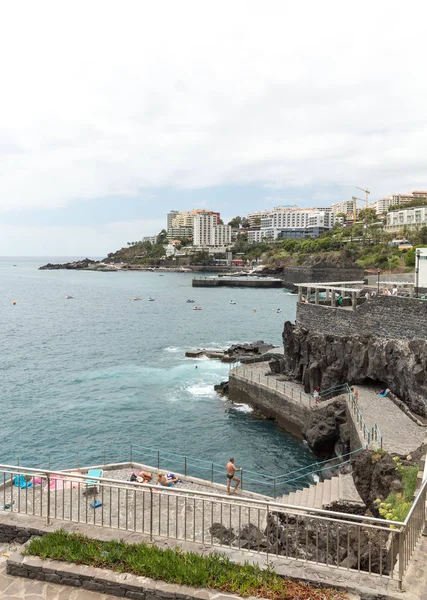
x: 316, y: 396
x: 231, y: 476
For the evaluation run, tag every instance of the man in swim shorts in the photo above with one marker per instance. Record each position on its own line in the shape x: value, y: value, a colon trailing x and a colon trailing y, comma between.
x: 231, y: 470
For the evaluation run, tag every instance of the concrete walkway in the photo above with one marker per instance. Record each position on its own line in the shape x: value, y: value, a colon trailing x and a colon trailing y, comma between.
x: 400, y: 434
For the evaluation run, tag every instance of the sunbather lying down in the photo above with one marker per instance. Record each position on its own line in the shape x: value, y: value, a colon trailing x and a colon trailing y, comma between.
x: 167, y: 480
x: 141, y: 477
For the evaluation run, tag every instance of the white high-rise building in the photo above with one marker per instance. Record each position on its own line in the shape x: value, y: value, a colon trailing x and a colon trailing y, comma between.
x: 203, y: 225
x: 221, y: 235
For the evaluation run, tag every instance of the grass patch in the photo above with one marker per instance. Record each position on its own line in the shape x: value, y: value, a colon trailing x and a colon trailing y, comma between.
x: 174, y: 566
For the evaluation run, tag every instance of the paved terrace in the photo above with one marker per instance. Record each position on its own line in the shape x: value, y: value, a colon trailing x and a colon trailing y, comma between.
x: 400, y: 434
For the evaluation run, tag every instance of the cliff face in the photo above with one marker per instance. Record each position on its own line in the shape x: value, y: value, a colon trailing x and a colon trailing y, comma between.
x: 325, y: 360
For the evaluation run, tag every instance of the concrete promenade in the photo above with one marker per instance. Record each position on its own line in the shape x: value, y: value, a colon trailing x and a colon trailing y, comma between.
x: 400, y: 434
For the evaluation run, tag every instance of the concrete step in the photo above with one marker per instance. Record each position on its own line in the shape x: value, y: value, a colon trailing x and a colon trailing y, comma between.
x: 298, y: 497
x: 326, y: 492
x: 311, y: 496
x: 318, y: 500
x: 335, y: 489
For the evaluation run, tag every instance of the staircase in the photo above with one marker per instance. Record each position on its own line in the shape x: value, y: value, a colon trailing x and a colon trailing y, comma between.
x: 321, y: 495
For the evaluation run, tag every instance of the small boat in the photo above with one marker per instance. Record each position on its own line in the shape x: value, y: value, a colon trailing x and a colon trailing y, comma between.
x: 70, y: 297
x: 197, y: 308
x: 151, y: 299
x: 278, y: 310
x: 232, y: 302
x: 137, y: 298
x: 190, y: 301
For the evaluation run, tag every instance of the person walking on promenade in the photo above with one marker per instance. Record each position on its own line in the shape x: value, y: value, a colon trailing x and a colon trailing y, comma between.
x: 316, y: 396
x: 231, y: 470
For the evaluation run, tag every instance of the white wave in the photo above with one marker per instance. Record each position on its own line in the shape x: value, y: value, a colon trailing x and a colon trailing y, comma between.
x: 173, y: 349
x: 245, y: 408
x: 201, y: 390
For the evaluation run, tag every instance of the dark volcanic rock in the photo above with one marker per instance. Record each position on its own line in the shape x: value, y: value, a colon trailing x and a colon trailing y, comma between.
x: 316, y: 359
x: 322, y: 429
x: 252, y: 349
x: 78, y: 264
x: 222, y: 388
x: 374, y: 476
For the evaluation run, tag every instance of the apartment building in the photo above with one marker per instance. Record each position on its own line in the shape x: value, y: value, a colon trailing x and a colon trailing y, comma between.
x: 412, y: 218
x: 170, y: 217
x: 382, y: 205
x: 346, y: 207
x: 221, y: 235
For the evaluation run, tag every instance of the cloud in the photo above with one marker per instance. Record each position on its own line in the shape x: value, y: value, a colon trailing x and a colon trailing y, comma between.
x: 101, y: 99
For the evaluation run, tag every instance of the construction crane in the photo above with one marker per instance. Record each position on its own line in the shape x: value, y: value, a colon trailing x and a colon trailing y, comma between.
x: 355, y: 207
x: 367, y: 192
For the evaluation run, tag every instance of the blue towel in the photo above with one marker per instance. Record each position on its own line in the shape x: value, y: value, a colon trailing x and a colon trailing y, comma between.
x: 21, y: 482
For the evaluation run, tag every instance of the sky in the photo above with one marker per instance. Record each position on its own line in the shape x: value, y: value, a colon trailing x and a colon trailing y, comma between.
x: 114, y: 113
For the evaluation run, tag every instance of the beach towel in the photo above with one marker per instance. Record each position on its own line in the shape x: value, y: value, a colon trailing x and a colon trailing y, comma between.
x: 21, y: 482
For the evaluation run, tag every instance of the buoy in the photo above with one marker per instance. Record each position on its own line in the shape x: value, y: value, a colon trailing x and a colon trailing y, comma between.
x: 254, y: 309
x: 13, y: 303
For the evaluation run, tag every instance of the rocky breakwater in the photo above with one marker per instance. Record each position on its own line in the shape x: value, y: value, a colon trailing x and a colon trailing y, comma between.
x: 86, y: 263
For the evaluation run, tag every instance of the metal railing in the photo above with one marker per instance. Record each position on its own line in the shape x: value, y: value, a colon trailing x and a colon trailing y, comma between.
x: 358, y: 543
x: 370, y: 436
x: 188, y: 466
x: 286, y: 388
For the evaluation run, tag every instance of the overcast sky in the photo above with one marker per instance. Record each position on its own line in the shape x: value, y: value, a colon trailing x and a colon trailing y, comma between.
x: 113, y: 113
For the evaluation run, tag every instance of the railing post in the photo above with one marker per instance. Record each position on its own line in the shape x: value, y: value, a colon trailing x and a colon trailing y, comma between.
x: 212, y: 474
x: 274, y: 488
x: 401, y: 559
x: 48, y: 501
x: 105, y: 456
x: 49, y: 462
x: 151, y: 514
x: 185, y: 465
x: 241, y: 479
x: 158, y: 459
x: 131, y: 454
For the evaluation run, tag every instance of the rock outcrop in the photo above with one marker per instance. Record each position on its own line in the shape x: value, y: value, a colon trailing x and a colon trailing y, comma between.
x: 323, y: 429
x: 249, y: 350
x: 320, y: 360
x: 78, y: 264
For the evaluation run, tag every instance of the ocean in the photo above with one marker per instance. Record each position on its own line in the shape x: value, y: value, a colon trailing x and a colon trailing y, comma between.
x: 85, y: 378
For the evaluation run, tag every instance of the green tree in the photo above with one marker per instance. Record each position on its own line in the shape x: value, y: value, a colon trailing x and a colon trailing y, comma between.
x: 162, y: 237
x: 368, y: 215
x: 235, y: 222
x: 245, y: 223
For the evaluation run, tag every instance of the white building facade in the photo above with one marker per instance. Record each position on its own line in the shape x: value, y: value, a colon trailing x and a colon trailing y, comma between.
x: 412, y: 218
x: 202, y: 229
x: 421, y: 264
x: 221, y: 235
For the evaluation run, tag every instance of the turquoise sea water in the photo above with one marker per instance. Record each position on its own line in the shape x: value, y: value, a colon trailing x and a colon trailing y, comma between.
x: 103, y: 371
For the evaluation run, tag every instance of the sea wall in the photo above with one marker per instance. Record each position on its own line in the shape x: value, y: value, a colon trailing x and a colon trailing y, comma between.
x: 384, y: 316
x: 290, y: 415
x: 223, y: 282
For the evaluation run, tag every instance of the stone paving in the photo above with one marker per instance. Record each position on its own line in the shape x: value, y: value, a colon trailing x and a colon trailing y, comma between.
x: 400, y: 434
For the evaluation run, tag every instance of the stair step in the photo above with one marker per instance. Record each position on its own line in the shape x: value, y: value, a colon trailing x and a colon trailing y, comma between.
x: 335, y: 489
x: 311, y: 495
x: 298, y: 498
x: 290, y: 498
x: 319, y: 495
x: 326, y: 492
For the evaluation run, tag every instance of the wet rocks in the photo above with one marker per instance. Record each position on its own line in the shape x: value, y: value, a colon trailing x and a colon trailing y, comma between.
x: 222, y: 388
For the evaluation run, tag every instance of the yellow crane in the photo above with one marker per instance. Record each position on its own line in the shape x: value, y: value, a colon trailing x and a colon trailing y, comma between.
x: 367, y: 192
x: 355, y: 200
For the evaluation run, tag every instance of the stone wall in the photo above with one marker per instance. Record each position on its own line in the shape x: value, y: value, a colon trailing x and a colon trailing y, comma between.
x: 290, y: 415
x: 14, y: 534
x: 385, y: 317
x: 292, y: 275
